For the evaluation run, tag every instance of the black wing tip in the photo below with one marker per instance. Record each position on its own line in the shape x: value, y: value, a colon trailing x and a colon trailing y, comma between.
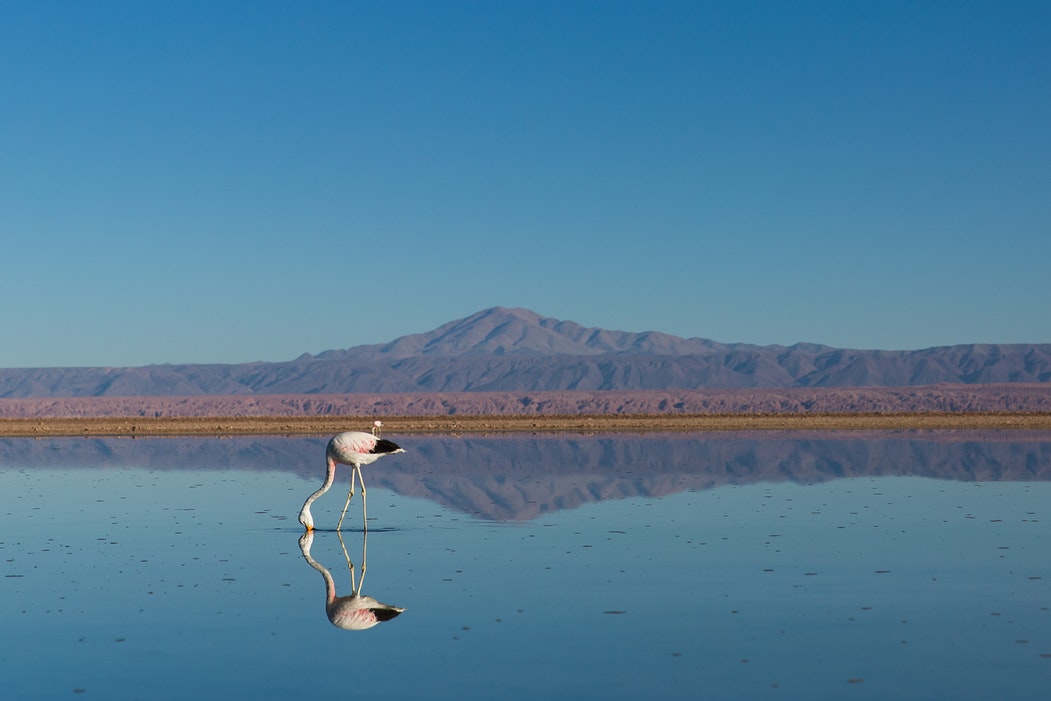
x: 385, y: 446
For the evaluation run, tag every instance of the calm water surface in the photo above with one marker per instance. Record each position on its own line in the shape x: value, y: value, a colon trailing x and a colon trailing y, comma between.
x: 869, y: 566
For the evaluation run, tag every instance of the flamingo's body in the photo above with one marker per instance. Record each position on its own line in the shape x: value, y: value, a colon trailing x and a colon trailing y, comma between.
x: 353, y: 448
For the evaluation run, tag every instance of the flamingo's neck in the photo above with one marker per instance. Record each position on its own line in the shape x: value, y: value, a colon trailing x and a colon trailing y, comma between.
x: 330, y: 583
x: 330, y: 475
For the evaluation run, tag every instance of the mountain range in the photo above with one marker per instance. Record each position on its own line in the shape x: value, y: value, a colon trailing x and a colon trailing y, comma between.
x: 517, y: 350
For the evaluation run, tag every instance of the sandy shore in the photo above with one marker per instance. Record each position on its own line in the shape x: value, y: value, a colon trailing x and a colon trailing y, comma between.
x: 393, y: 425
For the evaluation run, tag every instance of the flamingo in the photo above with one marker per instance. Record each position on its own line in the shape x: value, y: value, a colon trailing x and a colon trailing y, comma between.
x: 354, y: 612
x: 353, y: 448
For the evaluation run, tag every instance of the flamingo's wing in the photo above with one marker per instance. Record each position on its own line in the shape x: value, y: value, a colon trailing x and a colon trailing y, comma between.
x: 354, y: 442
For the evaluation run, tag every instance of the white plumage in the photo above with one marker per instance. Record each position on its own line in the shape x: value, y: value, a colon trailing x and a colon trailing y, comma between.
x: 353, y: 448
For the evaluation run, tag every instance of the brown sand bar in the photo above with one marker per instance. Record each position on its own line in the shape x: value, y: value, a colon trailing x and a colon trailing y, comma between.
x: 601, y: 423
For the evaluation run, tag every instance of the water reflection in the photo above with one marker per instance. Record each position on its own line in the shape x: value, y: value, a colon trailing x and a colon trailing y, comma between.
x: 518, y: 478
x: 355, y: 611
x: 910, y: 566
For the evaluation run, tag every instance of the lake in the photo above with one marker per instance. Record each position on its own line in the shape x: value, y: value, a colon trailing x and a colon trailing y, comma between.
x: 906, y: 565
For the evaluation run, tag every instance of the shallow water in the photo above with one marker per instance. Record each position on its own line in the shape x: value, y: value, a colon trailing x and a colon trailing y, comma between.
x: 707, y: 566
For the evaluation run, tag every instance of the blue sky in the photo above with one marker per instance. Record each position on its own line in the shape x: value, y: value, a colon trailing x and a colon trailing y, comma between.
x: 239, y: 181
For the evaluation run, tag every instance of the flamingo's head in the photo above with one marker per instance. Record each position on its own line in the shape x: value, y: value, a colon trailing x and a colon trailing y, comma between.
x: 306, y: 519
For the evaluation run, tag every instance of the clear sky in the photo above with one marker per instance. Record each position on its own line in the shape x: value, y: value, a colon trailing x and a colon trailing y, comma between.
x: 237, y: 181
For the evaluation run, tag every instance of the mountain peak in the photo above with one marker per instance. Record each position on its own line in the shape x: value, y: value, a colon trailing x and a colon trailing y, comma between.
x: 516, y: 331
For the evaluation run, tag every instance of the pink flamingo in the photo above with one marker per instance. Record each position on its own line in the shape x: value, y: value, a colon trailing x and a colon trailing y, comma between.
x: 354, y: 612
x: 353, y: 448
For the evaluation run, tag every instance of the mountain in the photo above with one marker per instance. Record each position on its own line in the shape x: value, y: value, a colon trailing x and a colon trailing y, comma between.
x: 516, y: 350
x: 499, y: 331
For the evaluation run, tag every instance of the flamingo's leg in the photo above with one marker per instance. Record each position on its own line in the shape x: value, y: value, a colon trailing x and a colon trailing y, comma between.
x: 349, y: 496
x: 364, y: 560
x: 350, y: 565
x: 364, y: 504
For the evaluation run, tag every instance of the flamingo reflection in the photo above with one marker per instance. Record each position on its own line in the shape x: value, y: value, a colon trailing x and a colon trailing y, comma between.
x: 356, y: 611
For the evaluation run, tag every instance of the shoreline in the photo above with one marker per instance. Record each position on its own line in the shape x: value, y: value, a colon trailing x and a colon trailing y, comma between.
x: 454, y: 424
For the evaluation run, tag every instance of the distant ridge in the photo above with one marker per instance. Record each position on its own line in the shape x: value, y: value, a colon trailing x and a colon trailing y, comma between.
x: 517, y: 350
x: 500, y: 331
x: 950, y: 399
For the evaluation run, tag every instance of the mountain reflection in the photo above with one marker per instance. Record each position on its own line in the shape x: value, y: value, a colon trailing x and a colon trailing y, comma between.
x: 355, y: 611
x: 516, y: 477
